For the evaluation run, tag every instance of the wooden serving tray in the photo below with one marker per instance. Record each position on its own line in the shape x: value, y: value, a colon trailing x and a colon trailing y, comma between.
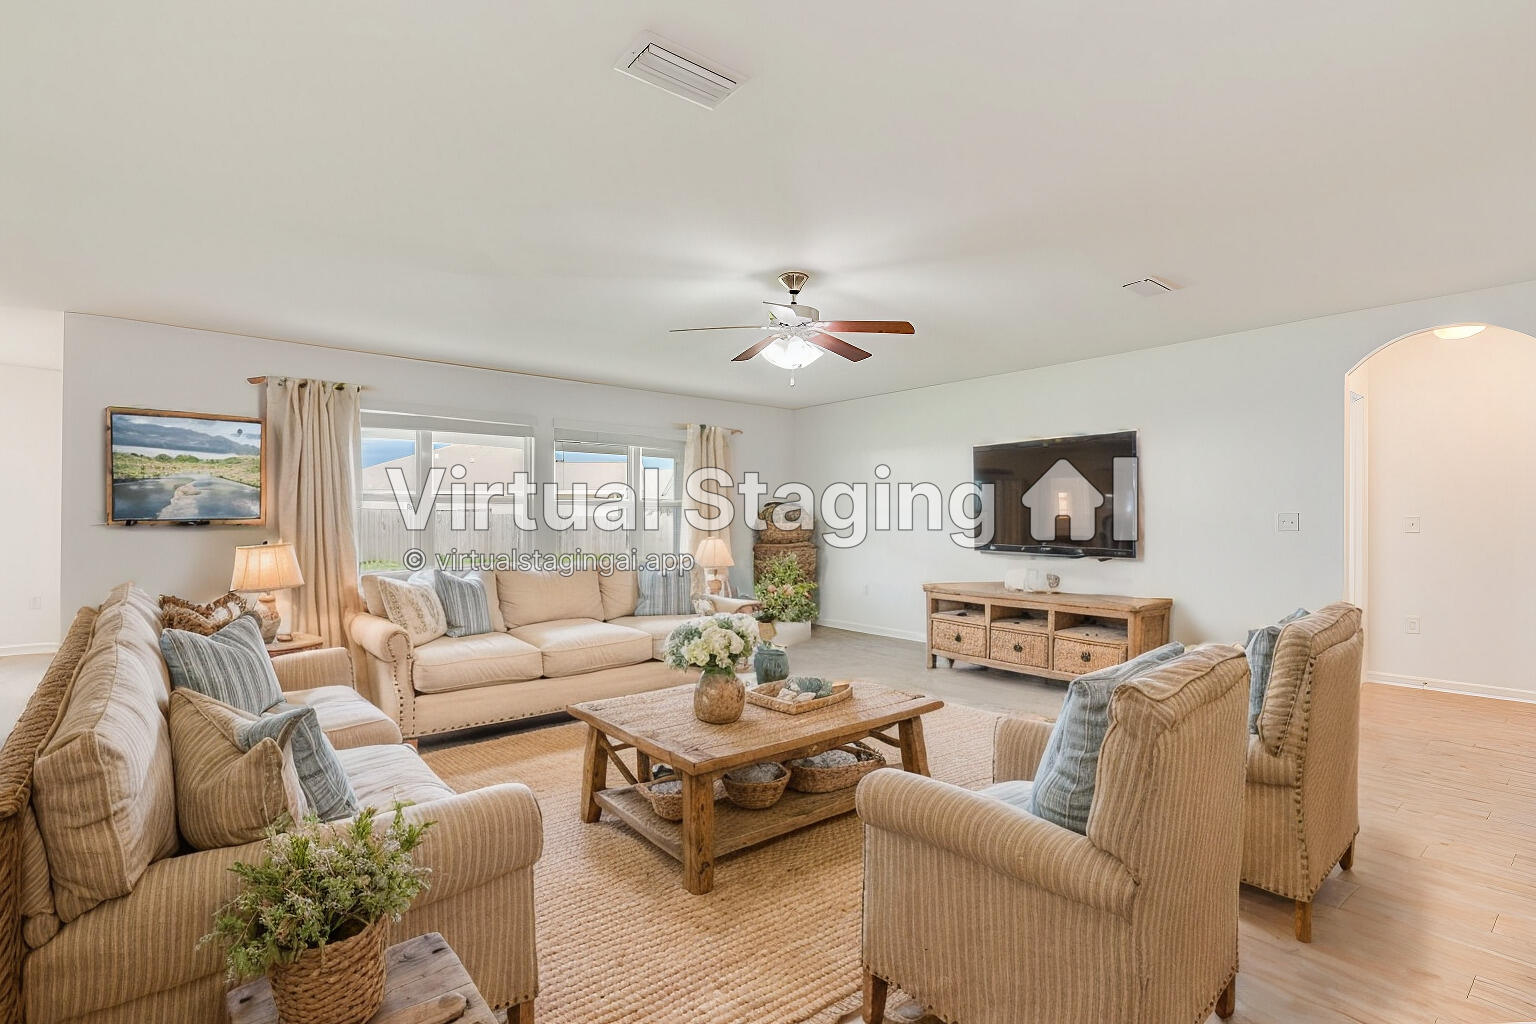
x: 841, y: 691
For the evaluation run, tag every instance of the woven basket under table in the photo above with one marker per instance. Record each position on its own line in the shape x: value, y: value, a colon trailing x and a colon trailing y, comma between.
x: 805, y: 778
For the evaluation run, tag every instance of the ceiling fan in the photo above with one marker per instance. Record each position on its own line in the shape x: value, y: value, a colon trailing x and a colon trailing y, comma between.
x: 797, y: 334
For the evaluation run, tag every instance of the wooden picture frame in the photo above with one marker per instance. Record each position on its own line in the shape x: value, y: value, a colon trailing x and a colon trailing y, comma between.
x: 113, y: 426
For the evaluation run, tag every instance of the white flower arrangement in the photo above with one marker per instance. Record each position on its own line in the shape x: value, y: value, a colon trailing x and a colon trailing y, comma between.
x: 719, y: 643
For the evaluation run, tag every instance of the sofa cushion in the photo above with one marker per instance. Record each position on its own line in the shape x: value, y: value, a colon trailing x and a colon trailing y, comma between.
x: 530, y: 597
x: 39, y: 920
x: 1064, y: 784
x: 570, y: 647
x: 227, y: 793
x: 326, y: 792
x: 466, y: 609
x: 1260, y: 650
x: 1015, y: 792
x: 657, y: 627
x: 347, y: 718
x: 464, y: 662
x: 382, y: 775
x: 620, y: 591
x: 231, y: 666
x: 103, y: 788
x: 413, y: 605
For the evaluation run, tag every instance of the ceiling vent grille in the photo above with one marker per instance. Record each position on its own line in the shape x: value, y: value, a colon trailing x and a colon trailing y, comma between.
x: 654, y: 60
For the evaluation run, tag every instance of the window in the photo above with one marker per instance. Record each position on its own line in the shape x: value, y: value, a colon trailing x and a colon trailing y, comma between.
x: 412, y: 446
x: 588, y: 464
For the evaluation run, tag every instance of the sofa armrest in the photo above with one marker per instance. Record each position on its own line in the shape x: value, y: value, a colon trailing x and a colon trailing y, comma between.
x: 998, y: 836
x: 380, y: 638
x: 308, y: 670
x: 1018, y: 744
x: 478, y: 836
x: 734, y: 605
x: 1266, y: 769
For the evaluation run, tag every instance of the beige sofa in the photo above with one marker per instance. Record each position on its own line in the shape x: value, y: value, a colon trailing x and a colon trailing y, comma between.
x: 989, y: 915
x: 103, y: 904
x: 1302, y: 809
x: 556, y: 639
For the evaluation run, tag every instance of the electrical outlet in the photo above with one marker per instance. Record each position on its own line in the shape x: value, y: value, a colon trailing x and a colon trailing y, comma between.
x: 1288, y: 522
x: 1413, y: 625
x: 1410, y: 524
x: 36, y: 604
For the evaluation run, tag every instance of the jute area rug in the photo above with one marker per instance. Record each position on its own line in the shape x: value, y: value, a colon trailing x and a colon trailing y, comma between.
x: 776, y: 942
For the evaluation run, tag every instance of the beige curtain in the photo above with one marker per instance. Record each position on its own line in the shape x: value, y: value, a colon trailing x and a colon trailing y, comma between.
x: 314, y: 428
x: 707, y: 448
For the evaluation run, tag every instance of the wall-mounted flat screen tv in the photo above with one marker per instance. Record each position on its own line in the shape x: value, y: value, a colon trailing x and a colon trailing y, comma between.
x: 184, y: 467
x: 1073, y: 496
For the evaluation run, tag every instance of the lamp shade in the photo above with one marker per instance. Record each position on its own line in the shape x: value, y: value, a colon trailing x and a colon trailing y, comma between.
x: 714, y: 553
x: 261, y: 567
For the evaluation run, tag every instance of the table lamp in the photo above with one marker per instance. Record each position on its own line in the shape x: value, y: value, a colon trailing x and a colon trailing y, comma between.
x: 263, y: 568
x: 714, y: 554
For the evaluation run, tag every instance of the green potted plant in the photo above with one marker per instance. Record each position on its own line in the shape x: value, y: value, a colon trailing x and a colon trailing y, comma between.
x: 313, y: 914
x: 784, y: 592
x: 720, y: 646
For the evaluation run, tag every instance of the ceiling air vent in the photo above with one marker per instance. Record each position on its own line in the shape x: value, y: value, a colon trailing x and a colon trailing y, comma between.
x: 678, y: 71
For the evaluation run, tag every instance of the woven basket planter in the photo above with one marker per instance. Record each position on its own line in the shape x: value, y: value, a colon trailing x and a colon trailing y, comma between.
x: 340, y: 983
x: 756, y: 796
x: 807, y: 778
x: 801, y: 525
x: 803, y: 552
x: 666, y: 804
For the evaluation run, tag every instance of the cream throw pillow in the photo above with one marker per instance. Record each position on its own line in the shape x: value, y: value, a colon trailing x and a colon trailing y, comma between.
x: 414, y: 608
x: 226, y: 796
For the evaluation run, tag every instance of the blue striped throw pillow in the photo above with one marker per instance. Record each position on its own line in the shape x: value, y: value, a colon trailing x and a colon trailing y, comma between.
x: 465, y: 605
x: 1069, y: 768
x: 230, y: 665
x: 321, y: 776
x: 665, y: 592
x: 1261, y: 659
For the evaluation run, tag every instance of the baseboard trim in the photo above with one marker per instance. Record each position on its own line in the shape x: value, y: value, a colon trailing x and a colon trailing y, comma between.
x: 7, y: 650
x: 863, y: 627
x: 1452, y: 686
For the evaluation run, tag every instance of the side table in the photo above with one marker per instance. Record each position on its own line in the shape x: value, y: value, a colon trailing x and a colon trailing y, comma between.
x: 299, y: 642
x: 419, y: 971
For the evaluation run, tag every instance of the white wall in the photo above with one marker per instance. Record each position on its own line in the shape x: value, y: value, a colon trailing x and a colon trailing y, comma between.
x: 120, y: 362
x: 1452, y: 441
x: 31, y: 353
x: 1233, y: 430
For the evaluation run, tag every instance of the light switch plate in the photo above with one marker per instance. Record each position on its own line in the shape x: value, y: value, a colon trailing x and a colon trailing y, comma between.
x: 1288, y: 522
x: 1413, y: 624
x: 1410, y: 524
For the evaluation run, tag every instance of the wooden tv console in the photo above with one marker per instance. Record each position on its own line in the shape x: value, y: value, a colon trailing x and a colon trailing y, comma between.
x: 1058, y: 636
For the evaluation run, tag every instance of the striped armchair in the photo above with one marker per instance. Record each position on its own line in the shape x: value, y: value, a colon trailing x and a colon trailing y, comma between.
x: 989, y: 915
x: 1302, y: 811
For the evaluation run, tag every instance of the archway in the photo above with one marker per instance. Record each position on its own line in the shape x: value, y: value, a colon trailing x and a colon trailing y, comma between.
x: 1441, y: 464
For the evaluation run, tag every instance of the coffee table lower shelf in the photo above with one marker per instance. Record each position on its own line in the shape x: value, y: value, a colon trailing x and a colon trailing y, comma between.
x: 735, y: 827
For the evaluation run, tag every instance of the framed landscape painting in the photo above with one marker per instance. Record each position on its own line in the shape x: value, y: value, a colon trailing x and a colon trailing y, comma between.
x: 184, y: 467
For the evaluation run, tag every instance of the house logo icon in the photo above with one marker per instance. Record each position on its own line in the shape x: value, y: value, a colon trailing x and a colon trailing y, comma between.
x: 1063, y: 492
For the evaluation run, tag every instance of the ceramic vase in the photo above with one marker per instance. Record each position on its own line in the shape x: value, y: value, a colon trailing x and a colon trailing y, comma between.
x: 719, y: 697
x: 771, y: 664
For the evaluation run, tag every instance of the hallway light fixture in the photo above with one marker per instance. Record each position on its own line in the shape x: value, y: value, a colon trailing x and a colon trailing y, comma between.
x: 1456, y: 332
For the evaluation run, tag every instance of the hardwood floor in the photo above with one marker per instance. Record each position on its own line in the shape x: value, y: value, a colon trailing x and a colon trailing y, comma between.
x: 1436, y: 923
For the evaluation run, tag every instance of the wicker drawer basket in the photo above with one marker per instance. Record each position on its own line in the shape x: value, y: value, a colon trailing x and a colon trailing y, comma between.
x: 801, y: 529
x: 953, y: 637
x: 804, y: 553
x: 1073, y: 654
x: 1017, y: 647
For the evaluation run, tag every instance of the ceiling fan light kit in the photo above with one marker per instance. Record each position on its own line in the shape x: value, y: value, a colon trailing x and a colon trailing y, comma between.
x: 797, y: 334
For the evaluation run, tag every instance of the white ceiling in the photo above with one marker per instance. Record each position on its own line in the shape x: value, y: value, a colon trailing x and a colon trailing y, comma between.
x: 472, y: 181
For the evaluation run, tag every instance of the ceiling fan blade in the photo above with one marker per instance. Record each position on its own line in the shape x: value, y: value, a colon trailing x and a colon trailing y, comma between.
x: 837, y: 346
x: 754, y: 350
x: 734, y: 327
x: 867, y: 326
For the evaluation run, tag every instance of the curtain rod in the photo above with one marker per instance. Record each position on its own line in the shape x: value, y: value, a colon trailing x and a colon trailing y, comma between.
x: 339, y: 387
x: 685, y: 426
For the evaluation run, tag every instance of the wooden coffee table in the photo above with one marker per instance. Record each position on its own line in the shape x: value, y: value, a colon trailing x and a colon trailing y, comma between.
x: 659, y: 726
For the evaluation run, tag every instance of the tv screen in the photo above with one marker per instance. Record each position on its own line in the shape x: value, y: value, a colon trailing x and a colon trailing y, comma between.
x: 1072, y: 496
x: 183, y: 467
